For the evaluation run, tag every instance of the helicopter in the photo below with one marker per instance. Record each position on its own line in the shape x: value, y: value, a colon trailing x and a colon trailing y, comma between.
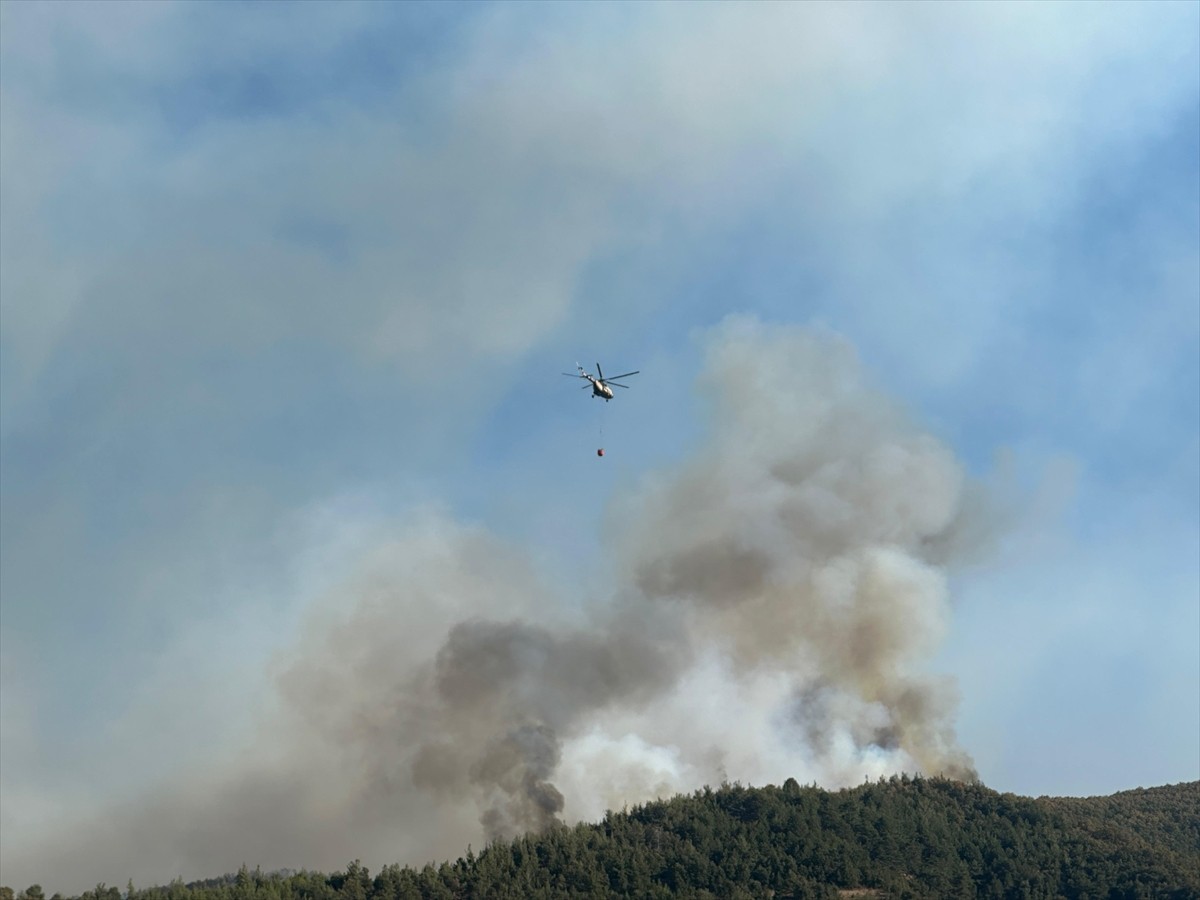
x: 601, y: 386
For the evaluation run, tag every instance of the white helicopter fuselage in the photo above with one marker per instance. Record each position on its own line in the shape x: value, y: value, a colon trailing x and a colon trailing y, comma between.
x: 600, y: 390
x: 600, y: 385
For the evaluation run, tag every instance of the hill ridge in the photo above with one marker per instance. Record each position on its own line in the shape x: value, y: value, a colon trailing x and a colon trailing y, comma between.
x: 899, y: 837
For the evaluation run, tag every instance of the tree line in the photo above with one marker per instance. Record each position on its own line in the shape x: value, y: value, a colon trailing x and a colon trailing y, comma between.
x: 897, y: 838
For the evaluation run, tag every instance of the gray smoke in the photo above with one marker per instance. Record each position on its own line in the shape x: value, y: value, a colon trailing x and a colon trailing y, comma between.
x: 775, y: 599
x: 804, y: 541
x: 810, y: 536
x: 499, y: 695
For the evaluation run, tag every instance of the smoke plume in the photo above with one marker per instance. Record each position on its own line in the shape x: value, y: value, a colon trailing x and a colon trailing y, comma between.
x: 775, y: 599
x: 796, y: 547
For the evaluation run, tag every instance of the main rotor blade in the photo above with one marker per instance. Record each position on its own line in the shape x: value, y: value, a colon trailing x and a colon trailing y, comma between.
x: 614, y: 384
x: 626, y: 375
x: 599, y: 371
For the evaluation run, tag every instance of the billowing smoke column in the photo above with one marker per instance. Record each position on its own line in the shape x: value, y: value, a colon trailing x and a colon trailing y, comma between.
x: 773, y: 601
x: 800, y: 540
x: 795, y: 547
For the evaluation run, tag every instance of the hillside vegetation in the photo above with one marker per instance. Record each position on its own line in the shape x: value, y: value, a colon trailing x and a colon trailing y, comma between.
x: 900, y: 838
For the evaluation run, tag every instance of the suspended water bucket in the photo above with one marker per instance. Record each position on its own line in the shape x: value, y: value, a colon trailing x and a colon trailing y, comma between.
x: 600, y: 452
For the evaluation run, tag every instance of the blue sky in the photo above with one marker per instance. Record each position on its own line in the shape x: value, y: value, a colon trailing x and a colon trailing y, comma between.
x: 277, y: 280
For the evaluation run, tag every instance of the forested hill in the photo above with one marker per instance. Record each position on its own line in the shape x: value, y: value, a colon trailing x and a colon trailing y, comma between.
x: 904, y: 837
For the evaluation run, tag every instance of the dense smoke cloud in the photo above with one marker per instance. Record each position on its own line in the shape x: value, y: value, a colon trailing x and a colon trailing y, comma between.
x: 792, y: 543
x: 802, y: 538
x: 774, y: 600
